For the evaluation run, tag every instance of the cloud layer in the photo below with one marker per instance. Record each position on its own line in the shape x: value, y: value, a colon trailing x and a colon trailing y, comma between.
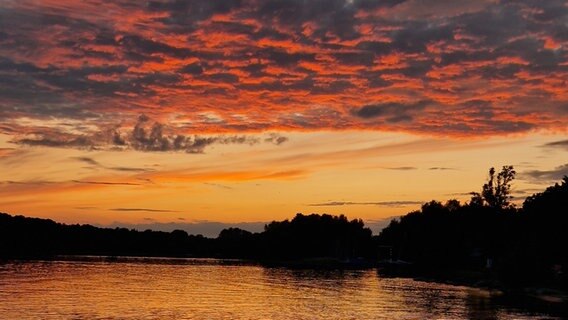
x: 144, y: 136
x: 435, y: 67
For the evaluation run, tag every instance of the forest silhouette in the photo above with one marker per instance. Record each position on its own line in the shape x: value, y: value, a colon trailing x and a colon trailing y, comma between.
x: 487, y: 239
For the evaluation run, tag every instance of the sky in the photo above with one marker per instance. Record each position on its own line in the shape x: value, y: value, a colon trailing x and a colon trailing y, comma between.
x: 204, y: 114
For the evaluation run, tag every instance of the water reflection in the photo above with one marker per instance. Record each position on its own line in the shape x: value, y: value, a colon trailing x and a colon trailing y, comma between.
x: 479, y: 306
x: 214, y: 289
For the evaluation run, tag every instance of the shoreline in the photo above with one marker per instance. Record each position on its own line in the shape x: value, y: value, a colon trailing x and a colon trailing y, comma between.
x: 487, y: 286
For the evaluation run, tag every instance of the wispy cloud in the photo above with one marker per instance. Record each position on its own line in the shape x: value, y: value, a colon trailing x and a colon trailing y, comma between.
x: 563, y: 144
x: 402, y: 203
x: 546, y: 176
x: 459, y: 194
x: 141, y: 210
x: 92, y: 162
x: 407, y: 168
x: 28, y: 182
x: 206, y: 176
x: 108, y: 183
x: 88, y: 161
x: 218, y: 185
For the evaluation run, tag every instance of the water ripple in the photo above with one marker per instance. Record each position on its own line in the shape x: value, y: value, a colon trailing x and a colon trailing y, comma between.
x: 215, y: 289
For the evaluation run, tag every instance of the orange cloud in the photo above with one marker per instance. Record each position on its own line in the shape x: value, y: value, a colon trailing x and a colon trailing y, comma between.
x: 294, y: 67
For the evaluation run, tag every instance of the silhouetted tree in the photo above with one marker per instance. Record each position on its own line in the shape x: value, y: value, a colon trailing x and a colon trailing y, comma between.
x: 528, y: 246
x: 452, y: 205
x: 496, y: 193
x: 23, y: 237
x: 304, y: 237
x: 545, y: 231
x: 314, y: 235
x: 553, y: 199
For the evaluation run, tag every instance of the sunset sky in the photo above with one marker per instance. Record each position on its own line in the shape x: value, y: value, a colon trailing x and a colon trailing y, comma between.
x: 203, y: 114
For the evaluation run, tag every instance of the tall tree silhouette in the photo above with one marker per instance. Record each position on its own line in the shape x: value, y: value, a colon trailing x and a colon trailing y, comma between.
x: 496, y: 193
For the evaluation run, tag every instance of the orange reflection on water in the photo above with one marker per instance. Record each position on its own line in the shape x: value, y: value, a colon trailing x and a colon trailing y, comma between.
x: 211, y: 289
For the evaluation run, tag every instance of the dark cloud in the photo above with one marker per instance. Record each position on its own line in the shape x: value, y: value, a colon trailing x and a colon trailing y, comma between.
x: 284, y: 58
x: 402, y: 168
x: 144, y: 136
x: 236, y: 28
x: 222, y: 77
x: 525, y: 192
x: 332, y: 87
x: 379, y: 203
x: 441, y: 168
x: 355, y: 58
x: 486, y: 125
x: 331, y: 18
x: 194, y: 68
x: 555, y: 174
x: 563, y: 144
x: 378, y: 48
x: 391, y: 111
x: 276, y: 139
x: 70, y: 92
x: 458, y: 194
x: 143, y: 46
x: 184, y: 15
x: 153, y: 138
x: 531, y: 50
x: 496, y: 24
x: 416, y: 35
x: 88, y: 161
x: 305, y: 84
x: 77, y: 142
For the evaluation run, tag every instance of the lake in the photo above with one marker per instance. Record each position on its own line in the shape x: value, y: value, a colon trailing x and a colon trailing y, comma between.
x: 150, y: 288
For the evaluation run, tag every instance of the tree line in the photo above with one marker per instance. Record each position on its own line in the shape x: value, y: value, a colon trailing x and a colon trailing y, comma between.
x: 486, y: 236
x: 303, y: 237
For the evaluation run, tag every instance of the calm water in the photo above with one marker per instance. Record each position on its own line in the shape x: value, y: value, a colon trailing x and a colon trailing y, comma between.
x: 212, y: 289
